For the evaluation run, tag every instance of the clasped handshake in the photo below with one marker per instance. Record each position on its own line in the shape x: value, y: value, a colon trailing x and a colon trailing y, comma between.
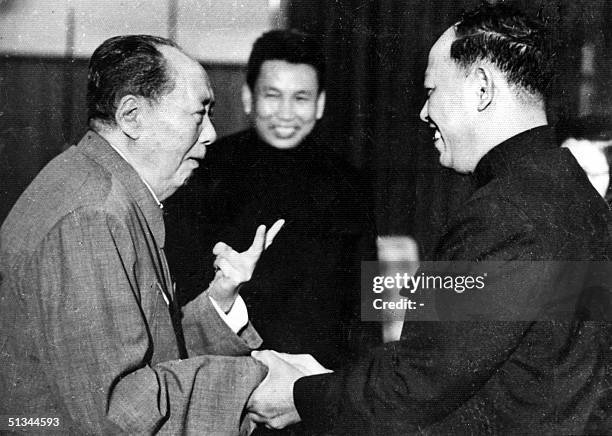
x: 271, y: 403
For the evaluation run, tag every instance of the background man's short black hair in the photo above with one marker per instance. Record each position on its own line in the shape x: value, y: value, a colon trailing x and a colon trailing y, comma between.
x: 124, y: 65
x: 515, y: 43
x: 289, y: 46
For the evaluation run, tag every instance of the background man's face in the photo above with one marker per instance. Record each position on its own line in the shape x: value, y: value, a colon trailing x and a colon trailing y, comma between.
x: 447, y: 108
x: 285, y: 104
x: 178, y: 126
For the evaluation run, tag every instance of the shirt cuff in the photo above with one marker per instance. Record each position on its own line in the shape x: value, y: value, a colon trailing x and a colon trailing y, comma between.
x: 238, y: 316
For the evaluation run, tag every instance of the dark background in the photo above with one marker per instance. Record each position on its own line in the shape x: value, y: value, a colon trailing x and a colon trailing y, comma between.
x: 377, y: 54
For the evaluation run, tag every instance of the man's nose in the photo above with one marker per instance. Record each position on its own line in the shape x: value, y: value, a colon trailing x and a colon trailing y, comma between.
x: 285, y: 109
x: 424, y: 115
x: 208, y: 135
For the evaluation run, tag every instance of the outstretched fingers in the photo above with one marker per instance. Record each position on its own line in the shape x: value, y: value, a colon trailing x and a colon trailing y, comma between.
x: 263, y: 239
x: 258, y: 242
x: 271, y: 234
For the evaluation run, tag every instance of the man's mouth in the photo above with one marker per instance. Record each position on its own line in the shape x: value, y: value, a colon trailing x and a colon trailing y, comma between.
x: 438, y: 142
x: 198, y: 157
x: 437, y: 136
x: 195, y: 160
x: 284, y: 131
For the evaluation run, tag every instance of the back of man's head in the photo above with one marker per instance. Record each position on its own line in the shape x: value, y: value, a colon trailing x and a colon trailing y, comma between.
x: 289, y: 46
x: 124, y: 65
x: 514, y: 43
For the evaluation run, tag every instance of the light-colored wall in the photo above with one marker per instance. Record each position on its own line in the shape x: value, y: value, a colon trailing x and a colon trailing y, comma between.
x: 213, y: 31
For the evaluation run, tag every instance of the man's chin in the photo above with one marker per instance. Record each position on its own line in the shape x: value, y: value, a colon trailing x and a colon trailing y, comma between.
x: 445, y: 161
x: 452, y: 166
x: 284, y: 144
x: 188, y: 179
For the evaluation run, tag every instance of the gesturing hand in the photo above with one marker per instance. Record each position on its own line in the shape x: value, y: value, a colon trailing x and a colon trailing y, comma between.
x: 233, y: 268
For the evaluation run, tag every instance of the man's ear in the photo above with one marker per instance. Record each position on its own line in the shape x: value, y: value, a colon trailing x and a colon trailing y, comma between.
x: 247, y: 99
x: 128, y: 115
x: 485, y: 86
x: 320, y: 104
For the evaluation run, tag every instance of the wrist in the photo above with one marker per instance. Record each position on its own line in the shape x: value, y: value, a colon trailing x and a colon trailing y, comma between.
x: 224, y: 303
x: 224, y: 296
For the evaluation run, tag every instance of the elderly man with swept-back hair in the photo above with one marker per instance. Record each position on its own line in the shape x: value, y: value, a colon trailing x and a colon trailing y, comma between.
x: 92, y: 340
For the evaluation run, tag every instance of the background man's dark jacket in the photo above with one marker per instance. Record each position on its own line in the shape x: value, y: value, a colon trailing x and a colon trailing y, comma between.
x: 533, y: 203
x: 304, y: 296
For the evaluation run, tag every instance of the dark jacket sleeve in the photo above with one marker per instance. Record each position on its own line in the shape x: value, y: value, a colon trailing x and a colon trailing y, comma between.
x: 437, y: 368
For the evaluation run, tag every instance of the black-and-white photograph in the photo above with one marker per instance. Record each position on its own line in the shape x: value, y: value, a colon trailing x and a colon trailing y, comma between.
x: 291, y: 218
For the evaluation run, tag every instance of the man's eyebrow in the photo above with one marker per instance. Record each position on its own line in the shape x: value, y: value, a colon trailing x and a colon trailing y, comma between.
x: 269, y: 88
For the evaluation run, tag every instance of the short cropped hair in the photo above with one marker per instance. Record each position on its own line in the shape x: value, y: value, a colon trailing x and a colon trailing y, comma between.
x: 516, y: 44
x: 125, y: 65
x: 289, y: 46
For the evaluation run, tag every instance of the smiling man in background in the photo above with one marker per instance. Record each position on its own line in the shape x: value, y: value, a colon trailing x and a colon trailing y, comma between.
x: 304, y: 296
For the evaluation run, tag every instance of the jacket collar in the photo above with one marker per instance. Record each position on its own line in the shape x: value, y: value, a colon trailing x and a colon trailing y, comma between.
x: 99, y: 150
x: 503, y: 157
